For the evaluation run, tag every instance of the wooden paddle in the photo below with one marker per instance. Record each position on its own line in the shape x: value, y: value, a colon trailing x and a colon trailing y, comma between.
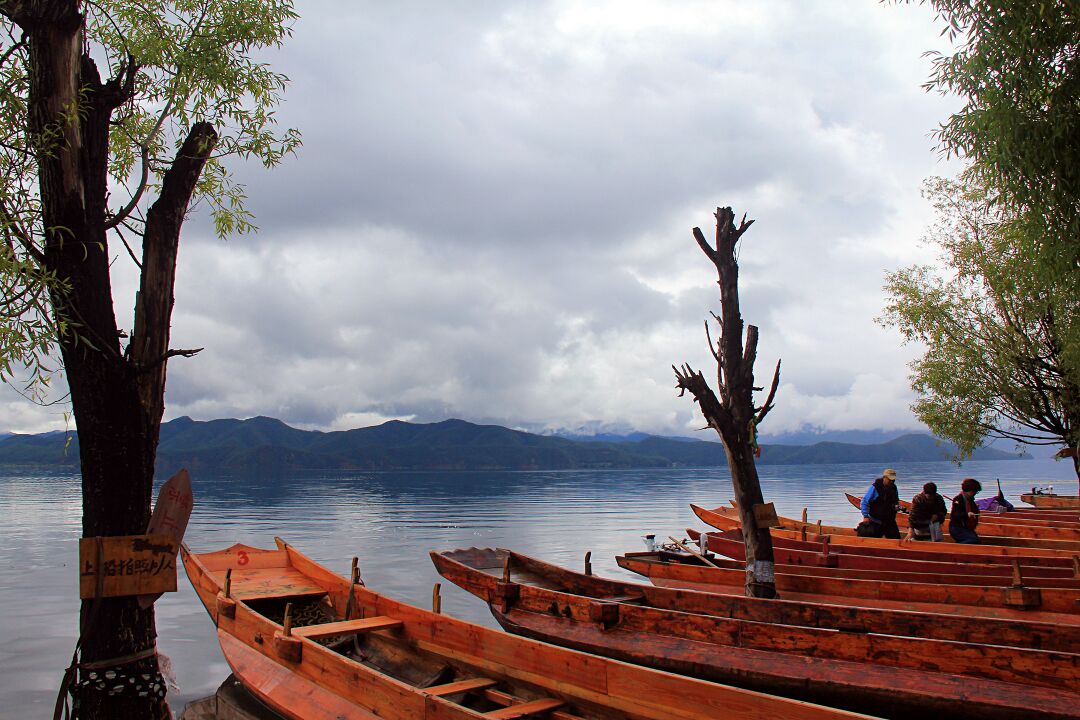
x: 698, y: 555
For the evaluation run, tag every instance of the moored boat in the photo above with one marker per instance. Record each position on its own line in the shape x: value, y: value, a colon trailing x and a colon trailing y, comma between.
x: 315, y: 646
x: 907, y: 550
x: 701, y: 635
x: 724, y: 518
x: 1045, y: 605
x: 953, y: 624
x: 1050, y: 501
x: 1002, y: 523
x: 730, y: 544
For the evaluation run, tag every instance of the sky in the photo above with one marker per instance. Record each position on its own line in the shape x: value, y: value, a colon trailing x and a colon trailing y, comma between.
x: 490, y: 217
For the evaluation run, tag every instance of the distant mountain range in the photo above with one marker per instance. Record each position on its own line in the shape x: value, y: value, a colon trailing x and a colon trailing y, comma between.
x: 265, y: 444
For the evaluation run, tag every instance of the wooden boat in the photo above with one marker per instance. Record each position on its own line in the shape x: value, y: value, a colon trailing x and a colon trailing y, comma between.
x: 724, y: 518
x: 913, y: 551
x: 730, y: 544
x: 954, y: 623
x: 902, y: 676
x: 1042, y: 604
x: 992, y: 522
x: 947, y: 575
x: 314, y: 646
x: 1067, y: 538
x: 1057, y: 502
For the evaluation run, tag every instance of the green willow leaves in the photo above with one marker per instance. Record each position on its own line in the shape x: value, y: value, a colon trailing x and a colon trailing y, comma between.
x: 1002, y: 338
x: 187, y: 61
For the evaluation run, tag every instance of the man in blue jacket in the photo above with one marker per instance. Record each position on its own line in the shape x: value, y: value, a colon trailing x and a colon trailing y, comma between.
x: 879, y: 506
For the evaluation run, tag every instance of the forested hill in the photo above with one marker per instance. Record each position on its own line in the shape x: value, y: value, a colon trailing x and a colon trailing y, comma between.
x: 267, y: 444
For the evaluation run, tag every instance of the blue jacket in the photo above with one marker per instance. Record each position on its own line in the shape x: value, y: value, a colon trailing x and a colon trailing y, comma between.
x: 880, y: 502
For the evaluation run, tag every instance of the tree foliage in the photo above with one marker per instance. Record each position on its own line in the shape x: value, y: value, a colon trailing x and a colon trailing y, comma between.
x: 177, y: 63
x: 1002, y: 337
x: 1017, y: 69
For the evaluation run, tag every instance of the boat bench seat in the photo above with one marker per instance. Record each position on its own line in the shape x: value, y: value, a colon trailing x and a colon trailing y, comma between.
x: 347, y: 627
x: 549, y: 707
x: 525, y: 709
x: 460, y: 686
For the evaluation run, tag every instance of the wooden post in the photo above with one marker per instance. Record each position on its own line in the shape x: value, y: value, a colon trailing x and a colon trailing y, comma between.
x: 1018, y: 578
x: 588, y: 563
x: 506, y: 569
x: 436, y: 599
x: 286, y: 623
x: 804, y: 515
x: 1076, y: 565
x: 228, y: 583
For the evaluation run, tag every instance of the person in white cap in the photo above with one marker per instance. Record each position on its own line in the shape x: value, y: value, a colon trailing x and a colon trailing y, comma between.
x: 879, y: 506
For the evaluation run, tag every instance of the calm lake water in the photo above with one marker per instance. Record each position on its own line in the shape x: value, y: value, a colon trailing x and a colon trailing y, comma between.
x: 390, y: 521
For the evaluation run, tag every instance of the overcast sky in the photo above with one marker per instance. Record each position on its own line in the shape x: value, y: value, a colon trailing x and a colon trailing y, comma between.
x: 490, y: 216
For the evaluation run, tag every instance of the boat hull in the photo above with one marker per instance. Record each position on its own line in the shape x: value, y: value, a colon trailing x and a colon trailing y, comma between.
x: 857, y: 671
x: 1052, y: 502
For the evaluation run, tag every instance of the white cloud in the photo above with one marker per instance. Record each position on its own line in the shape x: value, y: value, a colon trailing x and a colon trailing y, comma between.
x: 490, y: 216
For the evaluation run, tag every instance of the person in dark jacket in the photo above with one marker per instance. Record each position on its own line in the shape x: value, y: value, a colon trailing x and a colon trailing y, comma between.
x: 879, y: 506
x: 926, y: 507
x: 964, y: 517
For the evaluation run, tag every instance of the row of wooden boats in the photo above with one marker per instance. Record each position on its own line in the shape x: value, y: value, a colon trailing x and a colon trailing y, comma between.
x: 895, y: 629
x: 313, y: 645
x: 832, y: 654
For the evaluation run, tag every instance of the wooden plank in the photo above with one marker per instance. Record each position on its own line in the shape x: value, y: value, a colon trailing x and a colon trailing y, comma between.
x: 265, y: 583
x: 347, y: 627
x: 170, y: 517
x: 127, y: 565
x: 461, y: 686
x: 526, y: 709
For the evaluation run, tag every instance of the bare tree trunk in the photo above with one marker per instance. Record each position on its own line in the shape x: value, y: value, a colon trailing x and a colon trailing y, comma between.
x: 117, y: 397
x: 733, y: 415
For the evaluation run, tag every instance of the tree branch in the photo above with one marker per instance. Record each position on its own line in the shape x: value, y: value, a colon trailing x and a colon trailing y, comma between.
x: 764, y: 409
x: 154, y: 302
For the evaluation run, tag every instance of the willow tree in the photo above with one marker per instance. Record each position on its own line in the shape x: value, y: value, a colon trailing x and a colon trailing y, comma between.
x: 733, y: 415
x: 117, y: 116
x: 1002, y: 336
x: 1016, y: 73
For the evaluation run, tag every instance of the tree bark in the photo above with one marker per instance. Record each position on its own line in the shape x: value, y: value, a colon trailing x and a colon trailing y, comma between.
x: 733, y: 415
x: 117, y: 399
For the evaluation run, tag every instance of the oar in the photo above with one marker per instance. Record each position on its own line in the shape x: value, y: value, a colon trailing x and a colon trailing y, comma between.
x: 698, y: 555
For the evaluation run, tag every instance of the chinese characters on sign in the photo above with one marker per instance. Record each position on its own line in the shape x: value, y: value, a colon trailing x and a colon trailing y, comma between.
x: 127, y: 565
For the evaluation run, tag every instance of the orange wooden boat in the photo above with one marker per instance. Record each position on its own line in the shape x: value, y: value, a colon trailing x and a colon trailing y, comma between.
x: 1066, y: 538
x: 956, y: 625
x: 730, y: 544
x: 948, y: 575
x: 1042, y: 605
x: 995, y: 523
x: 314, y: 646
x: 724, y: 518
x: 1020, y: 512
x: 908, y: 677
x: 1055, y: 502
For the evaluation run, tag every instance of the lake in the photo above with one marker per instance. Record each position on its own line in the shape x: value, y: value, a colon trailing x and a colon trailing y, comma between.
x: 390, y: 521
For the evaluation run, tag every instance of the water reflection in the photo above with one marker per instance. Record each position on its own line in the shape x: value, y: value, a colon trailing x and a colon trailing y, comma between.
x: 390, y: 521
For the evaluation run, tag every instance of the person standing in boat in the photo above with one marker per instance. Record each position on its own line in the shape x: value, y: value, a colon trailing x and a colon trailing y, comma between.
x: 879, y: 506
x: 927, y: 510
x: 964, y: 517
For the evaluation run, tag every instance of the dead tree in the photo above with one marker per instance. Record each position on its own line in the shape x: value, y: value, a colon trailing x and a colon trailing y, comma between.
x: 733, y: 415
